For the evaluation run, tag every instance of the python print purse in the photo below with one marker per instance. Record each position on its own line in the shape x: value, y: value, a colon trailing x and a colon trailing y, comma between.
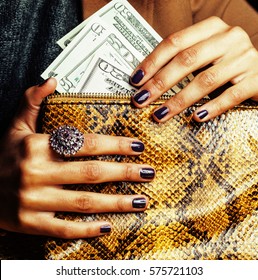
x: 203, y: 203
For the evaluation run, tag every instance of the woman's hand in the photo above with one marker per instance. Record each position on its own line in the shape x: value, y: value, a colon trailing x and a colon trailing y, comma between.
x: 227, y: 55
x: 32, y: 175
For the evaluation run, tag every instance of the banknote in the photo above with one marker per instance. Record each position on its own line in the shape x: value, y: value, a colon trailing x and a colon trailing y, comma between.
x: 69, y: 65
x: 103, y: 76
x: 115, y: 36
x: 127, y: 20
x: 69, y: 37
x: 124, y: 61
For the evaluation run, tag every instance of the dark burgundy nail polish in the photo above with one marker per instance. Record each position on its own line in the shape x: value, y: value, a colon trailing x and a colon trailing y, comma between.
x: 137, y: 77
x: 141, y: 96
x: 139, y: 203
x: 147, y: 173
x: 41, y: 84
x: 202, y: 114
x: 137, y: 147
x: 105, y: 229
x: 161, y: 113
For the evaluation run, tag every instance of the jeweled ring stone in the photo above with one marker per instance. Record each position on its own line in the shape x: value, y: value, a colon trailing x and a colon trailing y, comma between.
x: 66, y: 140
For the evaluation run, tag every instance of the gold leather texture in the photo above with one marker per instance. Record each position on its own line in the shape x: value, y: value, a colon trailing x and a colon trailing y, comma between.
x: 203, y: 202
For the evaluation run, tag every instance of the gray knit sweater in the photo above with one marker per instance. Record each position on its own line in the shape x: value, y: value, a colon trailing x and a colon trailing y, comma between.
x: 29, y: 31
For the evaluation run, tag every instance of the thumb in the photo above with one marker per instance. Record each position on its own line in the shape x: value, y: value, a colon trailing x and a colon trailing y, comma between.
x: 26, y: 118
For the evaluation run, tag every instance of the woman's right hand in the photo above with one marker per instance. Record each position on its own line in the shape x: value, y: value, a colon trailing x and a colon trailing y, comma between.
x: 32, y: 176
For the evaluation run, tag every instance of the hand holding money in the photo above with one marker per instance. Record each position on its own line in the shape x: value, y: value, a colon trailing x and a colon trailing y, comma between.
x: 102, y: 52
x: 192, y: 49
x: 119, y: 38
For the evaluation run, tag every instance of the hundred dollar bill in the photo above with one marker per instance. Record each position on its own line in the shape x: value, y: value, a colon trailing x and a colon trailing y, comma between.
x: 69, y: 65
x: 79, y: 52
x: 103, y: 77
x: 73, y: 77
x: 69, y: 37
x: 116, y: 27
x: 130, y: 24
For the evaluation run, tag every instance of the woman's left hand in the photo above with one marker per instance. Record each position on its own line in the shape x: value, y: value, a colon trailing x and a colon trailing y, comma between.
x: 225, y: 53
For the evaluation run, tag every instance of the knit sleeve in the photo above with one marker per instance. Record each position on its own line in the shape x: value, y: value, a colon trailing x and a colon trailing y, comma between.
x: 233, y: 12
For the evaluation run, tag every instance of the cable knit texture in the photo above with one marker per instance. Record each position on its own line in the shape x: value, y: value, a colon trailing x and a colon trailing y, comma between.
x: 29, y: 31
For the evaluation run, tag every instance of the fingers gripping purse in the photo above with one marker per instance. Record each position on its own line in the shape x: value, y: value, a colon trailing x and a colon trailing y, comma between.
x: 203, y: 203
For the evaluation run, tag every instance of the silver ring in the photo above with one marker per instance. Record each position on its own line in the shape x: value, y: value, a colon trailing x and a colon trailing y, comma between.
x: 66, y: 140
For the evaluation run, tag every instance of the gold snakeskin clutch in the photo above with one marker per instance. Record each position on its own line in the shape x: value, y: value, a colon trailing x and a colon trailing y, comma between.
x: 204, y: 199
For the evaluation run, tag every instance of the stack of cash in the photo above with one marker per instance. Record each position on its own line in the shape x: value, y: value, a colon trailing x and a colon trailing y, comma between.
x: 100, y: 54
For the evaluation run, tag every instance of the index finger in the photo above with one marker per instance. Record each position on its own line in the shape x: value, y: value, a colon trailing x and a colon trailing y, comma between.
x: 174, y: 44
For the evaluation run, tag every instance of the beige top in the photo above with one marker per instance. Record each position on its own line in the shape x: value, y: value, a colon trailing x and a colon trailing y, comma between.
x: 168, y: 16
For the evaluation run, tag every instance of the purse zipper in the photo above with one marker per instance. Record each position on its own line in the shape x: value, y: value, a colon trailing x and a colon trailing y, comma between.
x: 96, y: 96
x: 99, y: 96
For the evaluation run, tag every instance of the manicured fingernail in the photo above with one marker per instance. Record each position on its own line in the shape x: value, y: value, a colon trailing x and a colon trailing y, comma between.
x: 161, y: 112
x: 202, y: 114
x: 139, y: 203
x: 105, y: 229
x: 137, y: 147
x: 44, y: 82
x: 141, y: 96
x: 147, y: 173
x: 137, y: 77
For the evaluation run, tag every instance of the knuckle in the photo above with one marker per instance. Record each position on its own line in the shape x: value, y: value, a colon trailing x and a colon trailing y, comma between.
x: 236, y: 95
x: 83, y: 203
x: 174, y: 40
x: 28, y: 173
x: 219, y: 107
x: 149, y: 63
x: 178, y: 102
x: 121, y: 204
x: 91, y: 142
x: 25, y: 221
x: 217, y: 20
x: 24, y: 199
x: 128, y: 172
x: 239, y: 32
x: 188, y: 57
x: 30, y: 166
x: 91, y: 171
x: 207, y: 79
x: 239, y: 36
x: 66, y: 232
x: 90, y: 232
x: 252, y: 54
x: 28, y: 146
x: 123, y: 144
x: 158, y: 83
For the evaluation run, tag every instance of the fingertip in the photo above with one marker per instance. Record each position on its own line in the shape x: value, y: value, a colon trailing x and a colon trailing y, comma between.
x: 140, y: 203
x: 37, y: 93
x: 34, y: 95
x: 135, y: 104
x: 147, y: 173
x: 156, y: 119
x: 105, y: 229
x: 141, y: 98
x: 162, y: 114
x: 137, y: 146
x: 49, y: 83
x: 137, y: 77
x: 201, y: 115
